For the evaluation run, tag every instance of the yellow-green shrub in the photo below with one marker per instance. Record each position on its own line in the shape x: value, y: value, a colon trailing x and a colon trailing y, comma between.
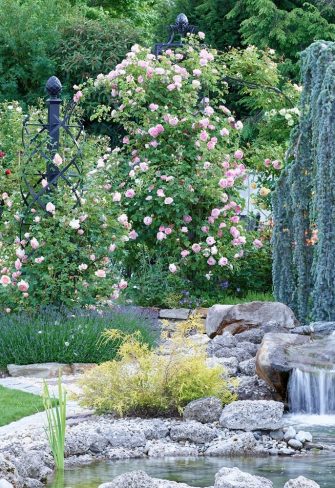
x: 146, y: 382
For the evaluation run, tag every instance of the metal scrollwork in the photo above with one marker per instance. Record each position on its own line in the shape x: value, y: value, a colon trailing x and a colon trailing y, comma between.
x: 181, y: 27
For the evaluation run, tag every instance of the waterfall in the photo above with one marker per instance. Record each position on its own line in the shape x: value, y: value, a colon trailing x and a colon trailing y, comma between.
x: 312, y: 392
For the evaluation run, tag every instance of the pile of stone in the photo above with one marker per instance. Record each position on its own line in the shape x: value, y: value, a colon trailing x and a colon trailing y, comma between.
x: 236, y: 333
x: 245, y: 428
x: 225, y: 478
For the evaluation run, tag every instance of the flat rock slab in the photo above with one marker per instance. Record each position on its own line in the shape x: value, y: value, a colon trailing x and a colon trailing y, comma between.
x: 43, y: 370
x: 175, y: 313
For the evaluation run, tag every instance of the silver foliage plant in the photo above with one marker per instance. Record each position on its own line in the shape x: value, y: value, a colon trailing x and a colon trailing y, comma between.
x: 304, y: 200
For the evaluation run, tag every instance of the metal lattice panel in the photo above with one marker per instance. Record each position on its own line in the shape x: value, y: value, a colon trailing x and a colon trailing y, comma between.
x: 42, y: 141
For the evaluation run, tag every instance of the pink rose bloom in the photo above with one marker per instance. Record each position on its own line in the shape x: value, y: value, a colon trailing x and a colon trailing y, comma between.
x: 196, y: 248
x: 144, y: 167
x: 203, y: 135
x: 92, y: 257
x: 100, y: 273
x: 153, y: 132
x: 197, y: 72
x: 172, y: 268
x: 209, y: 111
x: 39, y: 260
x: 123, y: 284
x: 16, y: 275
x: 77, y: 96
x: 18, y: 264
x: 23, y: 286
x: 235, y: 232
x: 154, y: 143
x: 5, y: 280
x: 267, y: 162
x: 215, y: 212
x: 224, y: 132
x: 147, y: 220
x: 205, y: 229
x: 223, y: 261
x: 211, y: 220
x: 239, y: 154
x: 117, y: 196
x: 153, y: 107
x: 125, y: 140
x: 276, y: 164
x: 171, y: 86
x: 160, y: 192
x: 201, y: 35
x: 133, y: 235
x: 112, y: 248
x: 184, y: 230
x: 160, y: 236
x: 184, y: 253
x: 82, y: 267
x: 130, y: 193
x: 50, y: 207
x: 210, y: 240
x: 223, y: 183
x: 187, y: 219
x: 257, y: 243
x: 161, y: 228
x: 57, y: 160
x: 173, y: 121
x: 211, y: 261
x: 235, y: 219
x: 168, y: 200
x: 168, y: 231
x: 34, y: 243
x: 207, y: 165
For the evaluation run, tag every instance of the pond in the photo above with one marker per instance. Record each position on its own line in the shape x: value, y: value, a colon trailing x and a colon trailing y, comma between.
x: 201, y: 471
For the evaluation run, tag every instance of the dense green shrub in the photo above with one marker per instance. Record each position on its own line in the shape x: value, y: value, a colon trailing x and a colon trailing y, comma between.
x: 88, y: 47
x: 147, y: 382
x: 67, y: 337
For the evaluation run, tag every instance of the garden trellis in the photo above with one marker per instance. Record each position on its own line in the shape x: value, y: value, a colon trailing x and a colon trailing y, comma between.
x: 43, y: 142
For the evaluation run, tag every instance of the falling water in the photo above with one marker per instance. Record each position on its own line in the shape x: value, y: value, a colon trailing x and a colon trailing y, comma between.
x: 312, y: 392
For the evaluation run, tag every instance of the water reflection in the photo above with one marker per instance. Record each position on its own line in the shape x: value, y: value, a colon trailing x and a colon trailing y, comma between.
x: 201, y: 471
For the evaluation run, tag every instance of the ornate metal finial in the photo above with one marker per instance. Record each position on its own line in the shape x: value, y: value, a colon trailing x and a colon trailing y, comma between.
x: 53, y: 86
x: 182, y: 22
x: 181, y: 27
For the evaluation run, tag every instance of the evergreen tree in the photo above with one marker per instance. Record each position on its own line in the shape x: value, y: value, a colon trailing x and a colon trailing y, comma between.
x: 304, y: 201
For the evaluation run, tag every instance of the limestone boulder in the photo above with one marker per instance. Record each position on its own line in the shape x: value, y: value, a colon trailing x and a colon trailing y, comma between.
x: 192, y: 431
x: 234, y: 478
x: 248, y: 367
x: 252, y: 388
x: 301, y: 482
x: 204, y: 410
x: 243, y: 444
x: 252, y: 415
x: 245, y: 316
x: 139, y: 479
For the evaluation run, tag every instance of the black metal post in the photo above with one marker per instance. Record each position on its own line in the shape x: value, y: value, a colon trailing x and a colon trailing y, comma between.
x: 53, y: 88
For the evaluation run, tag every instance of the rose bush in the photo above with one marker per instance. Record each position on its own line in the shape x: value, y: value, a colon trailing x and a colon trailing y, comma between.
x: 176, y: 177
x: 57, y: 252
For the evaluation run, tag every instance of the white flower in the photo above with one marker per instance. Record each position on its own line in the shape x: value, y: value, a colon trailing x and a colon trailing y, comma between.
x: 74, y: 224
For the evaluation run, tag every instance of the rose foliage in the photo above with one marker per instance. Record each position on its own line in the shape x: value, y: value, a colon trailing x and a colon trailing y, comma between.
x: 176, y: 178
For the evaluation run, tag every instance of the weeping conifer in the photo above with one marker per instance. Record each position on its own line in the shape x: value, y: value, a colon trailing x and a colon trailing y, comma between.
x: 304, y: 200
